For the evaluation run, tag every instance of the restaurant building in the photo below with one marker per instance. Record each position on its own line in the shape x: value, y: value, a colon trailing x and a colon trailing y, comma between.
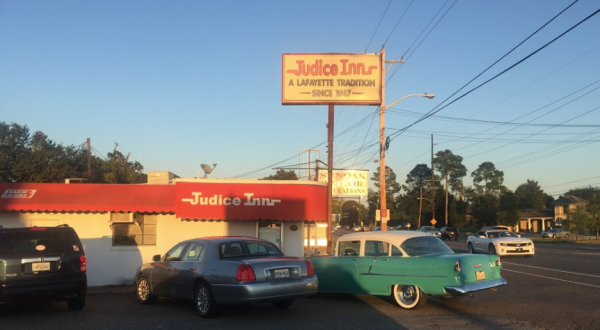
x: 123, y: 225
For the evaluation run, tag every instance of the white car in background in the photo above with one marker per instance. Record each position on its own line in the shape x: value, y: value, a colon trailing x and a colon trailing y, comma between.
x: 501, y: 242
x: 430, y: 230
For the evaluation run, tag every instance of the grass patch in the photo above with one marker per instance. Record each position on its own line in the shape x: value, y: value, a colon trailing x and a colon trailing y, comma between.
x: 571, y: 240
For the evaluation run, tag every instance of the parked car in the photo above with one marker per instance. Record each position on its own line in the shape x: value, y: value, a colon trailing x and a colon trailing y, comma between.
x: 375, y: 228
x: 214, y: 271
x: 42, y: 263
x: 409, y: 265
x: 496, y: 227
x: 556, y: 233
x: 358, y: 228
x: 430, y: 230
x: 449, y: 233
x: 501, y: 242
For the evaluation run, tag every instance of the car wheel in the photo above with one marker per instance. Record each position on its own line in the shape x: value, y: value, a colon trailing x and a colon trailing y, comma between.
x: 492, y: 249
x: 76, y: 303
x: 144, y: 292
x: 283, y: 304
x: 470, y: 247
x: 205, y: 302
x: 409, y: 296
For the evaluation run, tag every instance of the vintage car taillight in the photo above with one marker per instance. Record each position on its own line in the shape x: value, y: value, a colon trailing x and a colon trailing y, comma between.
x: 82, y: 263
x: 245, y: 273
x: 310, y: 269
x: 457, y: 266
x: 498, y: 261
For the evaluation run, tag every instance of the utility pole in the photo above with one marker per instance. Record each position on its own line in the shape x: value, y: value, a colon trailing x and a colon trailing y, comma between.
x: 89, y: 160
x: 432, y: 183
x: 382, y: 144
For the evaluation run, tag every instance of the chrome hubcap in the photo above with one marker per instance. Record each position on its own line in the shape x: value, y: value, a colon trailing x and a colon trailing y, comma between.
x: 202, y: 300
x: 408, y: 295
x: 143, y: 290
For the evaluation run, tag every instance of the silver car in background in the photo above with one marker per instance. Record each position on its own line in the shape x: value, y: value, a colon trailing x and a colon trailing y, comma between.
x: 556, y: 233
x: 214, y: 271
x: 430, y: 230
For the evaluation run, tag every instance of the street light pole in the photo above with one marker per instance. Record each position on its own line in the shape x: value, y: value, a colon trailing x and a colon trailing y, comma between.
x: 382, y: 108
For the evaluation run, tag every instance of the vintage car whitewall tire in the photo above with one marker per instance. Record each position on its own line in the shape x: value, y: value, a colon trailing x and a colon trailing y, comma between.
x: 143, y: 292
x: 204, y: 301
x: 409, y: 296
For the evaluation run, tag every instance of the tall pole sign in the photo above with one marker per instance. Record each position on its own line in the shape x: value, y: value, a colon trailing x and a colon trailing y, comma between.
x: 330, y: 79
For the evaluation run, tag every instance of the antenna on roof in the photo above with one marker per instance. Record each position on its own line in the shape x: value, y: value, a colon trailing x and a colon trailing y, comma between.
x: 207, y: 169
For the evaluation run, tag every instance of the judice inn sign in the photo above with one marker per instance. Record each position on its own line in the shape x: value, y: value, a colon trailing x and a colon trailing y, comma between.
x: 331, y: 79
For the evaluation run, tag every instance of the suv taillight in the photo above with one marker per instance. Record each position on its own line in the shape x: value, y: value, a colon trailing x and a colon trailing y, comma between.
x: 245, y: 273
x: 82, y: 264
x: 310, y: 269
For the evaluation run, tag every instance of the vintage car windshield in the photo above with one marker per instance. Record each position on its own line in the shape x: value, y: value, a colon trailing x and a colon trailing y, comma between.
x: 503, y: 233
x: 422, y: 245
x: 248, y: 248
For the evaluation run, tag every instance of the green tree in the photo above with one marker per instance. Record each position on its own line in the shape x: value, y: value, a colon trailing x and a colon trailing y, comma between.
x: 458, y: 214
x: 530, y: 195
x: 508, y: 213
x: 579, y: 219
x: 491, y: 177
x: 391, y: 189
x: 117, y: 169
x: 594, y: 211
x: 484, y: 210
x: 451, y: 168
x: 589, y: 193
x: 418, y: 179
x: 282, y: 174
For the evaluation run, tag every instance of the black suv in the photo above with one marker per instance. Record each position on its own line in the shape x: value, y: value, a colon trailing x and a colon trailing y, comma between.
x: 42, y: 263
x: 449, y: 233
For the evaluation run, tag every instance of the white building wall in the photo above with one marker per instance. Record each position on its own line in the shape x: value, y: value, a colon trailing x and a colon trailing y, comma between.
x: 116, y: 265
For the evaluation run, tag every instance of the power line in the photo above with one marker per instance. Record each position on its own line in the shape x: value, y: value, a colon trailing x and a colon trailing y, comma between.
x: 377, y: 28
x: 432, y: 112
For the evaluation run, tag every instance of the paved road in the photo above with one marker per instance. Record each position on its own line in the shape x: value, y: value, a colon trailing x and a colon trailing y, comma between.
x: 559, y: 288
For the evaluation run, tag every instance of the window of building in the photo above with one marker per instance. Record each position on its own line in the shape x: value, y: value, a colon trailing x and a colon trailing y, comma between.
x: 133, y: 229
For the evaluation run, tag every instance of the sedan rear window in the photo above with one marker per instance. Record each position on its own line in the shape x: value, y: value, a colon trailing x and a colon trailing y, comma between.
x: 248, y: 248
x: 419, y: 246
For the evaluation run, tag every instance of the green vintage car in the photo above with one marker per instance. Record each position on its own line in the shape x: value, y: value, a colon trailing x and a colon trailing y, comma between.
x: 409, y: 265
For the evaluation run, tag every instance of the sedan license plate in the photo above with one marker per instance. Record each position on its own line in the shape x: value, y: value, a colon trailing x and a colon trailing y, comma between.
x: 40, y: 266
x: 480, y: 275
x: 282, y: 273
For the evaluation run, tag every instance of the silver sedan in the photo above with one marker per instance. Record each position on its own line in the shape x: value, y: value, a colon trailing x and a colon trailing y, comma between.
x: 216, y: 271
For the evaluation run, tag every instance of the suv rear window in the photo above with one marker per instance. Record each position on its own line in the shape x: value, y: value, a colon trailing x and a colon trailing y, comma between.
x: 32, y: 241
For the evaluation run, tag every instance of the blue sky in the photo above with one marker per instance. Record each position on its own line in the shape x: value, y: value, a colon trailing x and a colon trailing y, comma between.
x: 181, y: 83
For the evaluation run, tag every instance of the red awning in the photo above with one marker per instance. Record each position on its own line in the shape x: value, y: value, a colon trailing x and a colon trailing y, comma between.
x: 59, y: 197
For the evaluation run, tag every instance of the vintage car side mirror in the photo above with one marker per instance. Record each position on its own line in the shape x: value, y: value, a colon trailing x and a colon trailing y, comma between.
x: 156, y: 258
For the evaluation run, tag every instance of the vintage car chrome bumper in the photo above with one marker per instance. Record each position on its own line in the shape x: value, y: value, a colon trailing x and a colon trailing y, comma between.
x: 264, y: 291
x: 463, y: 289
